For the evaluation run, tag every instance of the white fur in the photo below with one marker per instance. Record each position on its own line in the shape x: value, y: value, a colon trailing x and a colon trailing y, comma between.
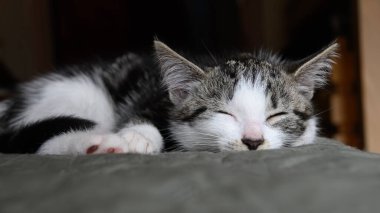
x: 248, y: 105
x: 216, y: 133
x: 75, y: 143
x: 77, y: 96
x: 273, y: 138
x: 142, y: 138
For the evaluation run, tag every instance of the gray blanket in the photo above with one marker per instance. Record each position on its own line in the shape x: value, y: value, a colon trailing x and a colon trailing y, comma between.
x: 323, y: 177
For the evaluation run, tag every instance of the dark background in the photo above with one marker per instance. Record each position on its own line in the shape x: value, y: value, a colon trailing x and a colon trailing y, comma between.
x: 97, y: 27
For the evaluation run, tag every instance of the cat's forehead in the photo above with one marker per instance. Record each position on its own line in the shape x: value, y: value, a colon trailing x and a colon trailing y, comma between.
x: 248, y: 61
x: 269, y: 75
x: 249, y: 66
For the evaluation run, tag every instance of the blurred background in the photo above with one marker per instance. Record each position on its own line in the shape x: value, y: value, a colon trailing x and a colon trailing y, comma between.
x: 37, y: 36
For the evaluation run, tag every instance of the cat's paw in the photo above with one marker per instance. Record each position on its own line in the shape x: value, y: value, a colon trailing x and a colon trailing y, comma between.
x: 111, y: 143
x: 137, y: 143
x: 143, y: 138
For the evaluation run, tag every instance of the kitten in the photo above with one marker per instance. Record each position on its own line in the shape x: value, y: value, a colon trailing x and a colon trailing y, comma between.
x: 167, y: 102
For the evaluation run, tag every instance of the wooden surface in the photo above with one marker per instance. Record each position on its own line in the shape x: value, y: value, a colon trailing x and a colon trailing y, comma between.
x: 369, y: 33
x: 345, y: 97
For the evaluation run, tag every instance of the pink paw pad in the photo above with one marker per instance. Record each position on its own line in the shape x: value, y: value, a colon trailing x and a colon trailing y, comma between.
x: 92, y: 149
x: 114, y: 150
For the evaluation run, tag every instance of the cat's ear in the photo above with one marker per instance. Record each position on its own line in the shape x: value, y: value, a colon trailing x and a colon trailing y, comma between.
x: 312, y: 72
x: 180, y: 75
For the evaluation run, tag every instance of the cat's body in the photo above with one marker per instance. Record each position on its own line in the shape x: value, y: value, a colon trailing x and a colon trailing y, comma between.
x: 245, y: 102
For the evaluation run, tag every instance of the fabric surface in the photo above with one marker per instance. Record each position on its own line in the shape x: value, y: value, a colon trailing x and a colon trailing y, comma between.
x: 323, y: 177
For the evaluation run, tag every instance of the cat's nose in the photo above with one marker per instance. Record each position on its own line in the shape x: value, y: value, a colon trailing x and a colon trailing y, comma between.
x: 252, y: 144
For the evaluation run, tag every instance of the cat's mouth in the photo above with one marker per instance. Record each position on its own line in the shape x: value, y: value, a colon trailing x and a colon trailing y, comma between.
x: 238, y: 145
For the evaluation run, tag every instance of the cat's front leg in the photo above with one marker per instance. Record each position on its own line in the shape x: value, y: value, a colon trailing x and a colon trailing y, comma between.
x: 143, y: 138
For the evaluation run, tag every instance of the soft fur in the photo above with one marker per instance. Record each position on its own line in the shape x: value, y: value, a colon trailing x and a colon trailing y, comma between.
x: 143, y: 104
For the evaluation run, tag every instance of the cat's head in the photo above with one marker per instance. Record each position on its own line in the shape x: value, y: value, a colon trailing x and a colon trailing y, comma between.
x: 245, y: 102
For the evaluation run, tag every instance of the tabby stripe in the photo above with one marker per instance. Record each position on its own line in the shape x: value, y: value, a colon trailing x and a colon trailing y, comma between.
x: 195, y: 114
x: 274, y: 100
x: 301, y: 115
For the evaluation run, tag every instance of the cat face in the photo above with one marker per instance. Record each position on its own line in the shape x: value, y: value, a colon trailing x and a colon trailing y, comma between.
x: 246, y: 102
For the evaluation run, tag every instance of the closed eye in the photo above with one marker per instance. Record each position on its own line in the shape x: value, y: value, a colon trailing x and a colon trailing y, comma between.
x: 224, y: 112
x: 276, y: 115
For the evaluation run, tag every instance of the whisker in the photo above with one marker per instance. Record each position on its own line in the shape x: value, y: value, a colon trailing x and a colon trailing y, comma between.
x: 209, y: 52
x: 324, y: 111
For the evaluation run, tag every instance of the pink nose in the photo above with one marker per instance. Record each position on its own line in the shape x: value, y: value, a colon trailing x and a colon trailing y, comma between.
x: 253, y: 131
x: 252, y: 136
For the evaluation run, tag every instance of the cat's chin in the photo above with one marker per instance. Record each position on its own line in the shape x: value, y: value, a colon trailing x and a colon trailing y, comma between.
x: 234, y: 147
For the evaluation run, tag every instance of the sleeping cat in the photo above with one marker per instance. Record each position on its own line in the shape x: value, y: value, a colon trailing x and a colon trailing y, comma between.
x: 147, y: 105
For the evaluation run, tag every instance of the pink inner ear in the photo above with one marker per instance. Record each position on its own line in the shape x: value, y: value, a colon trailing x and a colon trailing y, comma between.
x: 177, y: 96
x: 181, y: 93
